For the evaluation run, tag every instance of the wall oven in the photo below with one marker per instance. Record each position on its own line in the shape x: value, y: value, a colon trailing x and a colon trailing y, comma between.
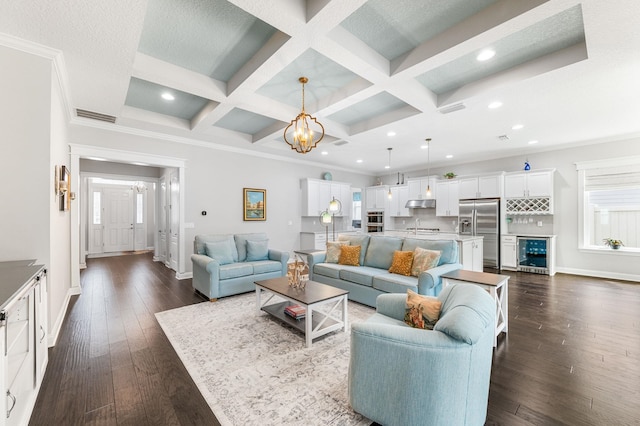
x: 534, y: 255
x: 375, y: 221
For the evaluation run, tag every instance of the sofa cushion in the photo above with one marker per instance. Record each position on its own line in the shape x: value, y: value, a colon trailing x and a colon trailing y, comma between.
x: 448, y: 248
x: 257, y: 250
x: 394, y: 283
x: 241, y: 243
x: 357, y: 240
x: 362, y: 275
x: 201, y: 240
x: 264, y: 266
x: 401, y: 263
x: 222, y: 251
x: 330, y: 270
x: 422, y: 311
x: 235, y: 270
x: 424, y: 259
x: 349, y: 255
x: 333, y: 250
x: 380, y: 251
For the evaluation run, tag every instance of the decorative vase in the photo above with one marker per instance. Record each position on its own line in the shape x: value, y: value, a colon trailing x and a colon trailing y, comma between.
x: 615, y: 246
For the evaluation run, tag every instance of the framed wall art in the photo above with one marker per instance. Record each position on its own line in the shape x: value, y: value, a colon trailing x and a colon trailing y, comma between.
x: 255, y: 204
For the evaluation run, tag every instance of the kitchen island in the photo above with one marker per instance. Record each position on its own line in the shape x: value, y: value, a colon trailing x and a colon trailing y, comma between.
x: 470, y: 247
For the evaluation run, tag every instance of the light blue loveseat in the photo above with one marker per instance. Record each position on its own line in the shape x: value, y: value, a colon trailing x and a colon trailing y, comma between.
x: 400, y: 376
x: 372, y: 278
x: 224, y: 265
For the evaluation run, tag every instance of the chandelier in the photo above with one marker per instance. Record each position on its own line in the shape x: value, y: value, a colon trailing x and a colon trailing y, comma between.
x: 298, y: 134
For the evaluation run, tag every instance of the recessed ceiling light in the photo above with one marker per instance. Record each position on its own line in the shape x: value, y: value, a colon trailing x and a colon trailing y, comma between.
x: 391, y: 133
x: 387, y: 166
x: 517, y: 127
x: 533, y: 142
x: 485, y: 55
x: 324, y: 153
x: 424, y: 146
x: 495, y: 104
x: 168, y: 96
x: 358, y: 161
x: 449, y: 156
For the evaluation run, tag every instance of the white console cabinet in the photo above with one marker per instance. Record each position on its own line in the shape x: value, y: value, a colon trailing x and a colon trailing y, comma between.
x: 23, y: 324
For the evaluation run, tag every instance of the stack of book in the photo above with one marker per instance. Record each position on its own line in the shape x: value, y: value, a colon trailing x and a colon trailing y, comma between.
x: 295, y: 311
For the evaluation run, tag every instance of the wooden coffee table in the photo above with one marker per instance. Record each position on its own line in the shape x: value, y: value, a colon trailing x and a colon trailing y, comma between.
x: 316, y: 323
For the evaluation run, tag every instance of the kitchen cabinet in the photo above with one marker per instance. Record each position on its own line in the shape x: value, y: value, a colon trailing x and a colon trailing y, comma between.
x: 529, y: 184
x: 23, y: 345
x: 447, y: 198
x: 315, y: 240
x: 418, y: 188
x: 471, y: 254
x: 316, y: 195
x: 490, y: 186
x: 529, y: 192
x: 509, y: 253
x: 399, y: 198
x: 377, y: 198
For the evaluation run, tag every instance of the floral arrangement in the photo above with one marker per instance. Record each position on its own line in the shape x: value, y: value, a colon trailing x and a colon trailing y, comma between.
x: 614, y: 244
x: 298, y: 273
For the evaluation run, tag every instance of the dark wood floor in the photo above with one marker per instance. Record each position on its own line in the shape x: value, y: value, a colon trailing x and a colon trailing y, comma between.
x: 571, y: 357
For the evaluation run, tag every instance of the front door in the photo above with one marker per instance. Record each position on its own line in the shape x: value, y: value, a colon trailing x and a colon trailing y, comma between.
x: 118, y: 219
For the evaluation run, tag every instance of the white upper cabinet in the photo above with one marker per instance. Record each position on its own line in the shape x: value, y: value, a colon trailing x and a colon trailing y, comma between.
x: 316, y: 195
x: 399, y: 198
x: 489, y: 186
x: 529, y: 184
x: 376, y: 197
x: 447, y: 198
x: 417, y: 188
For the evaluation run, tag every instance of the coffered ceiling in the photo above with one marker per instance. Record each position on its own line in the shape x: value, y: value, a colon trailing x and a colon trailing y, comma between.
x: 566, y: 71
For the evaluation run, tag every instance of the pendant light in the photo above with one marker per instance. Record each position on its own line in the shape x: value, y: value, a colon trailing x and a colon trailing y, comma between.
x: 388, y: 166
x: 303, y: 139
x: 428, y: 167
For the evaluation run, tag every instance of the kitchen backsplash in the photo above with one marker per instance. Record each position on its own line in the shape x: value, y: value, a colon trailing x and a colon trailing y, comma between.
x: 530, y: 225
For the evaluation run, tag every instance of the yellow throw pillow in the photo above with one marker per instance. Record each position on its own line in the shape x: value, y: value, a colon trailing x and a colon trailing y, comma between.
x: 422, y: 311
x: 349, y: 255
x: 333, y: 250
x: 423, y: 260
x: 401, y: 263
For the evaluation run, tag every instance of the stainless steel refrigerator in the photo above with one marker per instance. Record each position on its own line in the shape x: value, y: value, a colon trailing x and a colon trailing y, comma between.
x: 481, y: 217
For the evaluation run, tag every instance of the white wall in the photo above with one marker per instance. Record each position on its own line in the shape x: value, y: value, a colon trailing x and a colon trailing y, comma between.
x: 34, y: 140
x: 214, y: 180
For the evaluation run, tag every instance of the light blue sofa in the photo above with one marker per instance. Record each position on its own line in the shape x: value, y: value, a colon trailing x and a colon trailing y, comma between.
x: 372, y: 278
x: 406, y: 376
x: 224, y: 265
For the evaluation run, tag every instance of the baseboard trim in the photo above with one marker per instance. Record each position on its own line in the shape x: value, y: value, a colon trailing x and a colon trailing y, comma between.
x: 184, y: 275
x: 600, y: 274
x: 55, y: 330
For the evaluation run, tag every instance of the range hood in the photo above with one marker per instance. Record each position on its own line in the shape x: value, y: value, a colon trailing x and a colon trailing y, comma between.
x: 421, y: 204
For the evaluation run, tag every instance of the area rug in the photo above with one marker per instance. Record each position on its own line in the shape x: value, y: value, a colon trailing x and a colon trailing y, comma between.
x: 253, y: 369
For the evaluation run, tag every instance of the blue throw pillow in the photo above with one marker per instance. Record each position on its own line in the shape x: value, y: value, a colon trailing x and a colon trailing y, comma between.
x: 257, y: 250
x: 220, y: 251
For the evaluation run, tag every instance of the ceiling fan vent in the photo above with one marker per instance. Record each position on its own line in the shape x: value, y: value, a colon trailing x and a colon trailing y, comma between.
x: 451, y: 108
x: 341, y: 142
x: 95, y: 116
x: 503, y: 138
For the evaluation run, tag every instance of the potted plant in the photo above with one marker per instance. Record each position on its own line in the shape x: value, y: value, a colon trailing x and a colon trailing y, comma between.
x: 614, y: 244
x: 449, y: 175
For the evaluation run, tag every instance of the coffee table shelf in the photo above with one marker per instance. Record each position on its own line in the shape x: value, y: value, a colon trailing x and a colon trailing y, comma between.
x: 277, y: 310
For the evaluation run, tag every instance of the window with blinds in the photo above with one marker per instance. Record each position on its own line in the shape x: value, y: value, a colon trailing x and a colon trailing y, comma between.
x: 611, y: 202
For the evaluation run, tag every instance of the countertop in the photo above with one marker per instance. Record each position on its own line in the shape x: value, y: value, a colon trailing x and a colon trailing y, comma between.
x: 14, y: 276
x: 531, y: 235
x: 432, y: 235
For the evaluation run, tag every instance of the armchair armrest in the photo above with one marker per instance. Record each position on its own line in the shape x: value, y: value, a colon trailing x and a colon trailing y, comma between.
x: 392, y: 305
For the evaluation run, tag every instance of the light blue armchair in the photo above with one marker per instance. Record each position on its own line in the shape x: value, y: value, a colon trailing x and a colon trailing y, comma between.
x: 405, y: 376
